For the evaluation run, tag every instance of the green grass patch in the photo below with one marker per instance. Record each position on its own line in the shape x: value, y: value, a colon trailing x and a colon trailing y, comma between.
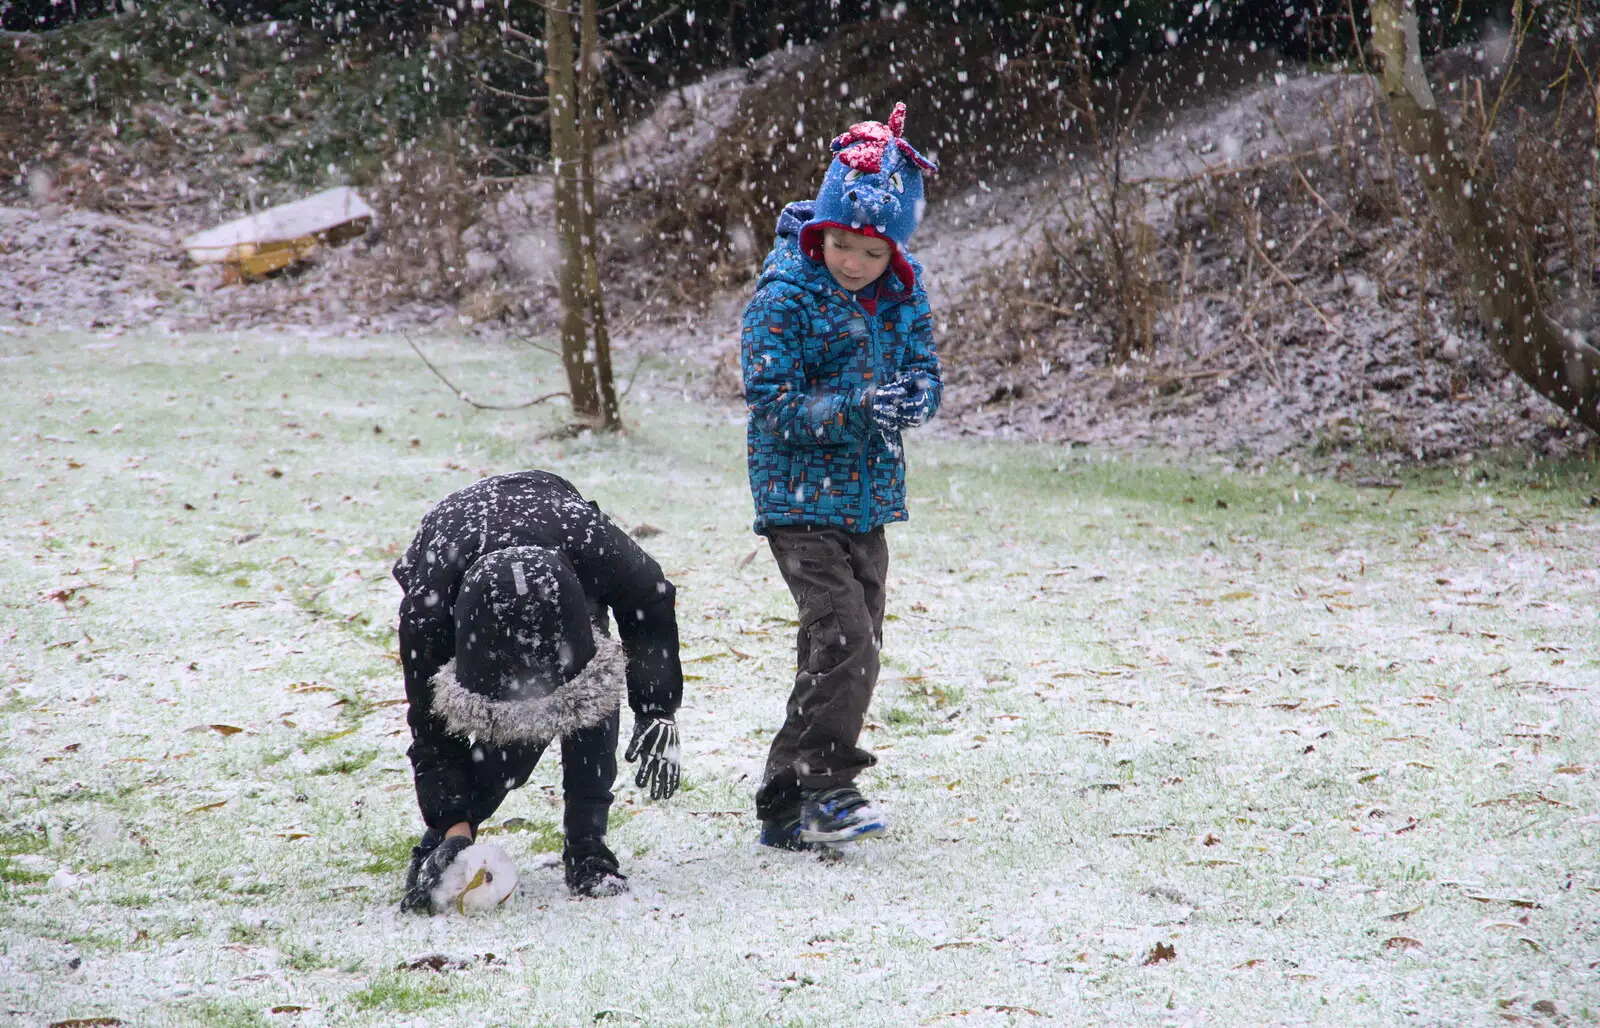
x: 398, y: 992
x: 313, y: 742
x: 249, y: 934
x: 348, y: 764
x: 17, y: 841
x: 11, y: 874
x: 388, y: 855
x: 303, y: 958
x: 541, y: 836
x: 97, y: 941
x: 236, y: 1014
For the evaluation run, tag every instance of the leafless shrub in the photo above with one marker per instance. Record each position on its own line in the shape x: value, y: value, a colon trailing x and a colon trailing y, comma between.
x: 973, y: 106
x: 426, y: 197
x: 1097, y: 262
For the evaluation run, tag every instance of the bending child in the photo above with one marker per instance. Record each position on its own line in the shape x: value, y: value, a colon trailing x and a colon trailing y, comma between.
x: 838, y: 361
x: 505, y: 645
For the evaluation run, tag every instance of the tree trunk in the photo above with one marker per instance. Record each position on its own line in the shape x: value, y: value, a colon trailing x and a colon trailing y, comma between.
x: 564, y: 155
x: 1562, y: 367
x: 589, y: 115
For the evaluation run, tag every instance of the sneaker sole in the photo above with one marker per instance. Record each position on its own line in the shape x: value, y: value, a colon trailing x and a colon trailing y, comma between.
x: 864, y: 831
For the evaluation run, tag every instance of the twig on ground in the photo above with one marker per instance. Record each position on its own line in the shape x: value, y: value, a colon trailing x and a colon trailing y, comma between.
x: 1298, y: 292
x: 464, y: 398
x: 1307, y: 234
x: 1046, y: 306
x: 1190, y: 376
x: 632, y: 377
x: 531, y: 344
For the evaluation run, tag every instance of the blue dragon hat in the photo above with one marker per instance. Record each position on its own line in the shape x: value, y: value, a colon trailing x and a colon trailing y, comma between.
x: 873, y: 187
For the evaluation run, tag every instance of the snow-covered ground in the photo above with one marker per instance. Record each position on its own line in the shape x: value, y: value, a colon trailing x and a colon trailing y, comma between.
x: 1163, y: 745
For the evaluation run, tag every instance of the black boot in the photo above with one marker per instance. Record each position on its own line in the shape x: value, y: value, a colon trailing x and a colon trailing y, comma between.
x: 592, y: 869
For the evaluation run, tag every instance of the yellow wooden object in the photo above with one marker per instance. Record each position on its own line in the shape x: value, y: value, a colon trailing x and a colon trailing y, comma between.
x: 254, y: 261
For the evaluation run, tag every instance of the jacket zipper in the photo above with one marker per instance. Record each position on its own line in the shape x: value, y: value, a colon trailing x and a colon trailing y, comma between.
x: 866, y: 443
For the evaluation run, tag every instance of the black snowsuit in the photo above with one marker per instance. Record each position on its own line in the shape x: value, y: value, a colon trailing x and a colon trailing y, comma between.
x: 506, y: 586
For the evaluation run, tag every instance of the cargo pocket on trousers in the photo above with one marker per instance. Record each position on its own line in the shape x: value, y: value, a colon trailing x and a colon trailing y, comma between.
x: 825, y: 642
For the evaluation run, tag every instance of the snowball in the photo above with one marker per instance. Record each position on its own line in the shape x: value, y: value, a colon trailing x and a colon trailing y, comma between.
x: 481, y: 878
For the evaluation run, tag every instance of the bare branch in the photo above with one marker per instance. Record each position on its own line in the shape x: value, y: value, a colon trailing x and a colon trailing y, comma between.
x: 509, y: 95
x: 627, y: 37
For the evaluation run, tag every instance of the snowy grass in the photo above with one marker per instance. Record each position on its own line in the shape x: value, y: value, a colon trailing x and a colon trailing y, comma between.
x: 1162, y: 745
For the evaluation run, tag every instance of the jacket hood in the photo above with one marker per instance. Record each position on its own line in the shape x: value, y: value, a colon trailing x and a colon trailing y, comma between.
x: 589, y: 698
x: 796, y: 256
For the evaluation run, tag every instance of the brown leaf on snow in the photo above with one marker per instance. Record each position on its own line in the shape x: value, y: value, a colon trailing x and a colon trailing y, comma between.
x: 1159, y: 952
x: 1522, y: 799
x: 225, y: 729
x: 1401, y: 942
x: 432, y: 962
x: 1513, y: 901
x: 1401, y: 915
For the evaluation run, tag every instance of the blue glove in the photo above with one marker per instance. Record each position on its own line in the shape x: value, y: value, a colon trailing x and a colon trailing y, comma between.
x: 886, y: 403
x: 916, y: 404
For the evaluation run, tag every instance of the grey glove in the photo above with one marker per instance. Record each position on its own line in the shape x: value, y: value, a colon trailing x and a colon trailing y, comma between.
x: 428, y: 867
x: 655, y: 747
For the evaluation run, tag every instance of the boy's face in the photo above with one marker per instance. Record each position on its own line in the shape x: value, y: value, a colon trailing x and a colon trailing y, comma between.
x: 855, y: 261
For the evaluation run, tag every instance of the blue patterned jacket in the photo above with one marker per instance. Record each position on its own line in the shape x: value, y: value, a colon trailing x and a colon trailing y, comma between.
x: 810, y: 352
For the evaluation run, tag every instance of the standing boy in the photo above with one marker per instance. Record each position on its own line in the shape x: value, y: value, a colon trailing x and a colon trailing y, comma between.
x: 505, y: 645
x: 838, y: 360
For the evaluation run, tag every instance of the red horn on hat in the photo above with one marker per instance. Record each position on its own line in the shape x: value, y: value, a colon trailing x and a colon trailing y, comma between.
x: 897, y: 120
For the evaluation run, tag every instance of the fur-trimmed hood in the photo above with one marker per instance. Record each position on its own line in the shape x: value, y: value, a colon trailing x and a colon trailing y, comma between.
x: 592, y: 695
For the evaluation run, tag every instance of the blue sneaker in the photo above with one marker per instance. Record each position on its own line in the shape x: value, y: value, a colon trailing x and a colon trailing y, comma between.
x: 784, y: 834
x: 839, y: 814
